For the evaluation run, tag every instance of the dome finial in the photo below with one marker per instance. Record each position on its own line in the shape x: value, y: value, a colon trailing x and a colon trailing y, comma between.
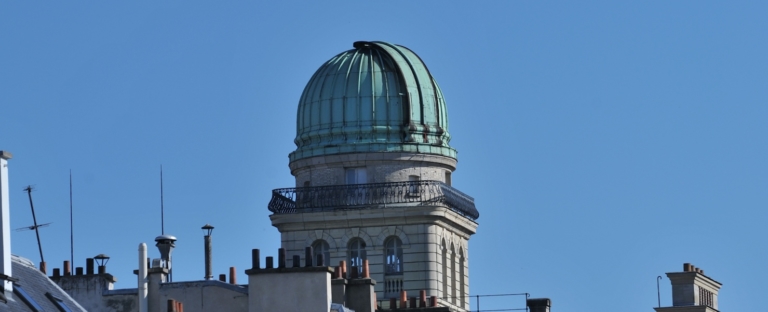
x: 361, y: 44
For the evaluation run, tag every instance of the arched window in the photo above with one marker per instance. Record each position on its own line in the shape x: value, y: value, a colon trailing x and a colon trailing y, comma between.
x: 393, y: 256
x: 320, y: 247
x: 356, y: 254
x: 462, y: 290
x: 445, y: 271
x: 453, y: 275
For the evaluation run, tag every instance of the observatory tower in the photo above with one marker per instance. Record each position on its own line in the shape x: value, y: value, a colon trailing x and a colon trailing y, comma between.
x: 373, y: 176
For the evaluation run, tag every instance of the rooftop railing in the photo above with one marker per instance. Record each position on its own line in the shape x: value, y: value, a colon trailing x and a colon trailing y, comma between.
x: 371, y: 195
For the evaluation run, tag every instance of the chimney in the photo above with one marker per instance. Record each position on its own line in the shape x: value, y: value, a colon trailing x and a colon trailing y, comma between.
x: 539, y: 304
x: 67, y: 271
x: 267, y: 286
x: 232, y: 276
x: 207, y: 231
x: 157, y: 275
x: 165, y: 243
x: 360, y: 291
x: 692, y: 288
x: 89, y: 265
x: 5, y: 225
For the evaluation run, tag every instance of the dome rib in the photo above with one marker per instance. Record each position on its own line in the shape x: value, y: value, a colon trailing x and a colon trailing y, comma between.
x: 377, y: 97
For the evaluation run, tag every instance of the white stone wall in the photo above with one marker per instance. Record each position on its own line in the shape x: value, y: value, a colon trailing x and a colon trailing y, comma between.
x: 420, y: 228
x: 395, y: 167
x: 421, y: 238
x: 289, y: 292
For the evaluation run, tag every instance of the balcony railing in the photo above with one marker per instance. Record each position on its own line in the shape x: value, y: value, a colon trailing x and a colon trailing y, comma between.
x: 359, y: 196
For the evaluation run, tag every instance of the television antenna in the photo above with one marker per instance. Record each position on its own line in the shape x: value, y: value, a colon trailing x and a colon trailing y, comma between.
x: 32, y: 227
x: 29, y: 189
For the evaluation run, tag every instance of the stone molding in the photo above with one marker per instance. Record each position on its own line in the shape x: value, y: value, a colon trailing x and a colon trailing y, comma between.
x: 362, y: 159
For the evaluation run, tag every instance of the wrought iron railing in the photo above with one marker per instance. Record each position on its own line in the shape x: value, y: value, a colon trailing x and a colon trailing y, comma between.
x: 357, y: 196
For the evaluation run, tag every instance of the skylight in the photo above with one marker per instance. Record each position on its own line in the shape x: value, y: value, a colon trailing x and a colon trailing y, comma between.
x: 58, y: 302
x: 19, y: 291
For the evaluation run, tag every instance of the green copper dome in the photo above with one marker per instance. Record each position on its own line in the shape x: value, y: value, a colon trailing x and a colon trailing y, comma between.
x: 377, y: 97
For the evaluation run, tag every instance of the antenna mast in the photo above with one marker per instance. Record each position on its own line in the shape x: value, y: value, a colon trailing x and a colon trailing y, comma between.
x: 28, y: 189
x: 162, y: 209
x: 71, y: 227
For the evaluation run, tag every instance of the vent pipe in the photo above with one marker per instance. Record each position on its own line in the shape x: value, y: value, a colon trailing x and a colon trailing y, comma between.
x: 142, y: 289
x: 5, y: 224
x: 207, y: 231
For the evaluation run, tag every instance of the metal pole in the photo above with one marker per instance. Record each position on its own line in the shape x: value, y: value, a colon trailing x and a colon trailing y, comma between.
x: 162, y: 210
x: 71, y: 228
x: 658, y: 293
x: 34, y: 219
x: 478, y: 302
x: 208, y: 260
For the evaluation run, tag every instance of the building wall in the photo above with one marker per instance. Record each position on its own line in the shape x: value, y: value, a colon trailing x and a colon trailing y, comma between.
x: 201, y: 296
x: 289, y: 290
x: 95, y: 293
x: 380, y: 167
x: 420, y: 229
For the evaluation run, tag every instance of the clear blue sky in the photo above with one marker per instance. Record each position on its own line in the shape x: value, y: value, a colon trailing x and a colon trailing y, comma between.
x: 605, y: 143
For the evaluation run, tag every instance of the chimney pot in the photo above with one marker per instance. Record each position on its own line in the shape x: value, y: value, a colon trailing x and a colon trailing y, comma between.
x: 270, y: 263
x: 701, y: 271
x: 686, y: 267
x: 56, y: 272
x: 320, y: 261
x: 392, y: 303
x: 353, y: 272
x: 44, y: 268
x: 433, y: 301
x: 281, y: 258
x: 422, y: 298
x: 403, y: 299
x: 223, y: 278
x: 413, y: 303
x: 343, y: 265
x: 67, y: 271
x: 232, y: 276
x: 89, y: 266
x: 366, y: 273
x: 255, y: 259
x: 296, y: 261
x: 79, y: 271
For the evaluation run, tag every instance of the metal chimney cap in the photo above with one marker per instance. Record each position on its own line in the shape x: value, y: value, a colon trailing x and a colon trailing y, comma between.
x: 101, y: 257
x: 6, y: 155
x: 165, y: 237
x: 207, y: 226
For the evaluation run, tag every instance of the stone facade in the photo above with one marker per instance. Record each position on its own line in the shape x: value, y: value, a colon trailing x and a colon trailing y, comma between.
x: 434, y: 240
x: 423, y: 231
x: 380, y: 167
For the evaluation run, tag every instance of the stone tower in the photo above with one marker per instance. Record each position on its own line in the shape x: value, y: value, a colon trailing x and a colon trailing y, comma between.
x: 373, y: 176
